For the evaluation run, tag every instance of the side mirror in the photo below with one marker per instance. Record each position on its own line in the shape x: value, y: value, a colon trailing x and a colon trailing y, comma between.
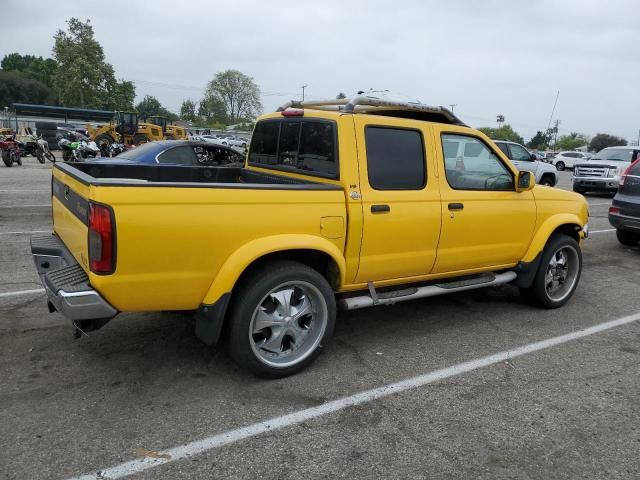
x: 533, y: 157
x: 526, y: 181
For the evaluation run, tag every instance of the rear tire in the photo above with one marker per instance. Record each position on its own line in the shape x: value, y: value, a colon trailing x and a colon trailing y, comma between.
x: 547, y: 181
x: 40, y: 156
x: 296, y: 308
x: 560, y: 166
x: 6, y: 158
x: 558, y: 273
x: 627, y: 238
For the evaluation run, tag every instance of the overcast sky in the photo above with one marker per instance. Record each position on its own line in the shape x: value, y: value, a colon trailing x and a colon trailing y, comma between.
x: 488, y: 58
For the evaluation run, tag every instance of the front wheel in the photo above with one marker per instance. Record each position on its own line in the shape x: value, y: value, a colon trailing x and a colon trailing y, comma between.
x: 40, y: 156
x: 281, y: 318
x: 558, y: 274
x: 627, y: 238
x: 547, y: 181
x: 560, y: 166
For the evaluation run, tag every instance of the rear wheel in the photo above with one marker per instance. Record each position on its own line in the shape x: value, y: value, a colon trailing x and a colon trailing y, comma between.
x: 17, y: 158
x: 558, y: 273
x: 627, y: 238
x: 282, y: 316
x: 560, y: 166
x: 40, y: 156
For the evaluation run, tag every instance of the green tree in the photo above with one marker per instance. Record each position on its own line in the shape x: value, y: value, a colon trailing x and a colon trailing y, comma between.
x: 505, y: 132
x: 150, y: 106
x: 212, y: 110
x: 340, y: 96
x: 120, y: 95
x: 604, y: 140
x: 83, y: 77
x: 15, y: 87
x: 35, y: 68
x: 188, y: 110
x: 237, y: 92
x: 539, y: 141
x: 571, y: 141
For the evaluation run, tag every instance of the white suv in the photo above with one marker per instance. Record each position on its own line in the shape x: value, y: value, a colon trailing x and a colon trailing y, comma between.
x: 568, y: 159
x: 523, y: 159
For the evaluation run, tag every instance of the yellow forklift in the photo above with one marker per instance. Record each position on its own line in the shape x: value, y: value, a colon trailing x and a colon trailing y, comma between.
x: 124, y: 128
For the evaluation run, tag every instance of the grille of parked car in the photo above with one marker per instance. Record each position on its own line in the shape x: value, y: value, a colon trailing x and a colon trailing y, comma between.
x: 591, y: 172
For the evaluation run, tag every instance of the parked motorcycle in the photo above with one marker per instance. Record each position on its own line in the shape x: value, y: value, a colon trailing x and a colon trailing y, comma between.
x: 111, y: 149
x: 78, y: 151
x: 11, y: 151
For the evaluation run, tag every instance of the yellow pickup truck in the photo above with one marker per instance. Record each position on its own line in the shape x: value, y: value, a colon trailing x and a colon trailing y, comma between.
x: 344, y: 203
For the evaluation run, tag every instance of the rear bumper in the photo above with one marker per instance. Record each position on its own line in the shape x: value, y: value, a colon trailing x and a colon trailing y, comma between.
x: 596, y: 184
x: 66, y: 283
x: 624, y: 222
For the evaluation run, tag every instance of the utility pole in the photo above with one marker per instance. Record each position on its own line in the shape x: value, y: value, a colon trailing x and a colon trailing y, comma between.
x: 453, y: 105
x: 303, y: 87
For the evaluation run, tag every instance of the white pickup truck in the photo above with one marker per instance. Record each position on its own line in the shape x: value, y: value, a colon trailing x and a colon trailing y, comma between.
x: 602, y: 172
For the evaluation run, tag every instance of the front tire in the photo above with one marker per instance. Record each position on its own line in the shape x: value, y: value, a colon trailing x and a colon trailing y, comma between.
x: 547, y: 181
x: 558, y: 273
x: 282, y: 316
x: 627, y: 238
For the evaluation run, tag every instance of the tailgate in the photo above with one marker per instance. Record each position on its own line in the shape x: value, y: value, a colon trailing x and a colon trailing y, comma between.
x: 70, y: 209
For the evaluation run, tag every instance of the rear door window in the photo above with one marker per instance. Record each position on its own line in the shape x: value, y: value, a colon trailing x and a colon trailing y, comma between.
x: 300, y: 145
x: 395, y: 159
x: 178, y: 156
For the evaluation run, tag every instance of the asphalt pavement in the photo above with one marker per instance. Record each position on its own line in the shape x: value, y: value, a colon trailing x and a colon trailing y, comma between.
x: 143, y: 385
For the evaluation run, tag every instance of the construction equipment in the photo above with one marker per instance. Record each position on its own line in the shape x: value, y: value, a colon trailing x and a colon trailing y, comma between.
x: 124, y: 128
x: 170, y: 132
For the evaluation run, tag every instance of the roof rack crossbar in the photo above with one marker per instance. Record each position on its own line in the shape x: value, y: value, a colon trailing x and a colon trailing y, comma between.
x: 366, y: 104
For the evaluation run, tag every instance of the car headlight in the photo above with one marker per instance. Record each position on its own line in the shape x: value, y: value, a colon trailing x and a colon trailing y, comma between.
x: 613, y: 172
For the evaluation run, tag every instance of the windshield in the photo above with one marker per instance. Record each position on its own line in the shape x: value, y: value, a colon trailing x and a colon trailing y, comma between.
x: 615, y: 154
x: 138, y: 152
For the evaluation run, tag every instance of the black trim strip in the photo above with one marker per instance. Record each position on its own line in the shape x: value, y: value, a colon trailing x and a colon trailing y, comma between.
x: 76, y: 204
x: 86, y: 179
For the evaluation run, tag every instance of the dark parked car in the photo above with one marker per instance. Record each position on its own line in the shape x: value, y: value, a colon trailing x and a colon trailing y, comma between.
x: 624, y: 213
x: 180, y: 152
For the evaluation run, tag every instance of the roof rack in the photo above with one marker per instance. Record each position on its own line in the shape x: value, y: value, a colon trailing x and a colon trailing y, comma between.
x: 377, y: 106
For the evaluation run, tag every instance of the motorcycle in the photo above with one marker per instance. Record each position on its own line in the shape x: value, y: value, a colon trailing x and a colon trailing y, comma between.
x: 78, y: 150
x: 44, y: 145
x: 111, y: 149
x: 11, y: 151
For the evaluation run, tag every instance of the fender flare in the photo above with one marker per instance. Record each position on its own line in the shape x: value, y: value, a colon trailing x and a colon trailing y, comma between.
x: 248, y: 253
x: 546, y: 230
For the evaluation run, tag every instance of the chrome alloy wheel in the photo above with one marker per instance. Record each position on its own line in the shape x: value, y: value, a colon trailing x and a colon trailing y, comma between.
x: 288, y: 324
x: 562, y: 273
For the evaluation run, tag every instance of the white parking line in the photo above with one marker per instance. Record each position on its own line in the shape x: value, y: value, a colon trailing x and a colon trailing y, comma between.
x: 232, y: 436
x: 603, y: 231
x: 21, y: 292
x: 26, y: 232
x: 47, y: 205
x: 48, y: 190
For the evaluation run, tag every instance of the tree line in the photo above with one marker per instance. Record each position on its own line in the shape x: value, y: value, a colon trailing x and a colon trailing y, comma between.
x: 78, y: 75
x: 549, y: 139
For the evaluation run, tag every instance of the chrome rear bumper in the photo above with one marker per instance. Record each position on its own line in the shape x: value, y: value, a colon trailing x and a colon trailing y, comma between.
x: 65, y: 282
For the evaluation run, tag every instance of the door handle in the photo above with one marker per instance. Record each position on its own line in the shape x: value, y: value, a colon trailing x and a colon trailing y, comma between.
x: 380, y: 208
x: 456, y: 206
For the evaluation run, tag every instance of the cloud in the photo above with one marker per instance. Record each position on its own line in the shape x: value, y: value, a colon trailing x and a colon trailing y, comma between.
x: 488, y: 58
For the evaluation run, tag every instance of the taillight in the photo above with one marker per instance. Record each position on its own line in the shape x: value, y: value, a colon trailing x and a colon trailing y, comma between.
x: 102, y: 258
x: 614, y: 210
x: 628, y: 169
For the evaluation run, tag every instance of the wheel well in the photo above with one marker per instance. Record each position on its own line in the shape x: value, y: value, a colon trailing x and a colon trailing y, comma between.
x: 570, y: 229
x: 319, y: 261
x: 549, y: 175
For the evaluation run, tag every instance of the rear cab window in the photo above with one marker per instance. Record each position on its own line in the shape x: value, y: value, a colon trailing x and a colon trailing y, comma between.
x: 306, y: 146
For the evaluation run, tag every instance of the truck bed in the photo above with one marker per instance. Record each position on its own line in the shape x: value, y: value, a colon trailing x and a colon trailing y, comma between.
x: 118, y: 174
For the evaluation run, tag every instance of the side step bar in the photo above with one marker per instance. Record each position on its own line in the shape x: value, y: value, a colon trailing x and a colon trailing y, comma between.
x: 412, y: 293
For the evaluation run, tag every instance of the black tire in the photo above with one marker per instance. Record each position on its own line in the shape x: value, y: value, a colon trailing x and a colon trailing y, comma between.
x: 104, y: 140
x: 579, y: 190
x: 627, y: 238
x: 247, y: 298
x: 537, y: 294
x: 560, y: 166
x: 139, y: 139
x: 40, y: 156
x: 547, y: 181
x: 6, y: 158
x: 18, y: 159
x: 51, y: 157
x: 67, y: 155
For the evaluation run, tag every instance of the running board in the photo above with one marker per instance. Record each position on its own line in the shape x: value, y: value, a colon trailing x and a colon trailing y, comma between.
x: 412, y: 293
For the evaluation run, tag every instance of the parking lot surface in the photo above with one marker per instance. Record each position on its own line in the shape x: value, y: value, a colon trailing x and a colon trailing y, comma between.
x: 145, y: 384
